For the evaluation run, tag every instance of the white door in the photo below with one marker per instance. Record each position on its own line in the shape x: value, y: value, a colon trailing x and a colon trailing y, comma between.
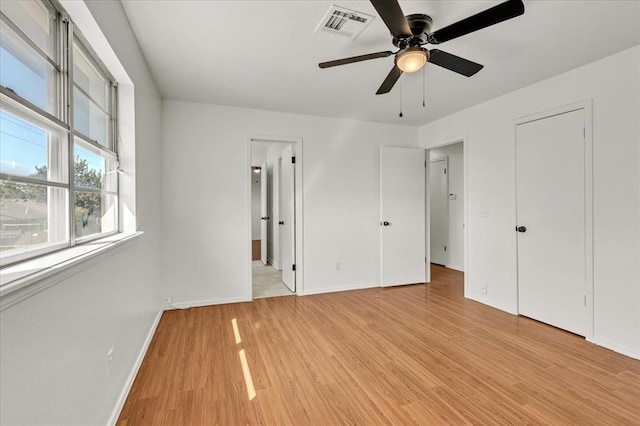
x: 550, y: 186
x: 264, y: 213
x: 439, y: 210
x: 287, y: 219
x: 402, y: 213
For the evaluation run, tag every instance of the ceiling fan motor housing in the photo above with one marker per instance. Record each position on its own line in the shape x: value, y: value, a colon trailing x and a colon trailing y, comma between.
x: 420, y: 26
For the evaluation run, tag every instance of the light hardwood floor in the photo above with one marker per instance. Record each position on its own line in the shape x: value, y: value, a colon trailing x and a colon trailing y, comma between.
x: 419, y: 354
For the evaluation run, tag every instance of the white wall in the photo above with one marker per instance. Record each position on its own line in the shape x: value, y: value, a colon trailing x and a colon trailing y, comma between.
x: 614, y: 85
x: 53, y: 345
x: 455, y: 247
x: 258, y: 158
x: 206, y: 257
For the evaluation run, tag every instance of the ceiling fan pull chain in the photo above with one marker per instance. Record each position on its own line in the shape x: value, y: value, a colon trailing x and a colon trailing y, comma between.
x: 401, y: 85
x: 424, y: 85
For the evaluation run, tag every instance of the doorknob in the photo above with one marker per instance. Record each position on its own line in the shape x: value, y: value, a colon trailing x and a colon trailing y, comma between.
x: 265, y: 218
x: 281, y: 222
x: 385, y: 223
x: 521, y: 228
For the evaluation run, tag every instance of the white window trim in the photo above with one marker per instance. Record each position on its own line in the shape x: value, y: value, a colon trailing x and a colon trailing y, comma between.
x: 25, y: 279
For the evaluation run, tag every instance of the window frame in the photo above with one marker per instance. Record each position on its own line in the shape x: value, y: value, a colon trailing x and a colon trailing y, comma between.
x: 68, y: 36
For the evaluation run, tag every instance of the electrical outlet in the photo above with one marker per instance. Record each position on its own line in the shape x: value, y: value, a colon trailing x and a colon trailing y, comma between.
x: 338, y: 266
x: 483, y: 289
x: 109, y: 362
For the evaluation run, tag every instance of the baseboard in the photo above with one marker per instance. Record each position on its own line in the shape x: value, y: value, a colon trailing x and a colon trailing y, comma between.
x: 273, y: 263
x: 134, y: 371
x: 481, y: 298
x: 341, y: 288
x: 198, y: 303
x: 626, y: 351
x: 455, y: 267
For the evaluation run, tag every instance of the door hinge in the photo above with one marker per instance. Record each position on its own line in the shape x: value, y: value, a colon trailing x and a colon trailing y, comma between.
x: 584, y: 132
x: 425, y: 164
x: 425, y: 260
x: 585, y: 299
x: 445, y: 248
x: 294, y: 267
x: 445, y: 171
x: 293, y: 160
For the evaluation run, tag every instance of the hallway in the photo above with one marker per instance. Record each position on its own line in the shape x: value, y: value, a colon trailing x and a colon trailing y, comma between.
x: 266, y: 281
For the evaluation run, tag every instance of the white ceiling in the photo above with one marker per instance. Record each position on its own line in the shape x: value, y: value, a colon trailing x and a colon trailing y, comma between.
x: 265, y: 54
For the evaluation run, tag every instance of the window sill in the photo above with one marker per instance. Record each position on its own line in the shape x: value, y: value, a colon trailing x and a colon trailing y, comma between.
x: 23, y: 280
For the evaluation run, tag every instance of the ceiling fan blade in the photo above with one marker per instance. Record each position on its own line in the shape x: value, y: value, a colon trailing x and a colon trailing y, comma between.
x: 390, y: 81
x: 355, y: 59
x: 393, y: 17
x: 454, y: 63
x: 502, y: 12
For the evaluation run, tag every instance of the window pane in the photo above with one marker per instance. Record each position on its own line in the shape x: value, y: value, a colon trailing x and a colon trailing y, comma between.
x: 89, y: 168
x: 26, y: 72
x: 93, y: 168
x: 95, y: 213
x: 111, y: 175
x: 89, y: 79
x: 31, y: 217
x: 30, y: 149
x: 36, y: 21
x: 90, y: 120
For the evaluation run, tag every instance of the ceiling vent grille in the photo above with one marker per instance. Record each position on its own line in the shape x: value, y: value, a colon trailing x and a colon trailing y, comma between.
x: 345, y: 22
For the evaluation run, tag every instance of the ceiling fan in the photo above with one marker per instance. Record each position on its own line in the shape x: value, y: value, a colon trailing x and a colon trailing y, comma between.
x: 412, y: 32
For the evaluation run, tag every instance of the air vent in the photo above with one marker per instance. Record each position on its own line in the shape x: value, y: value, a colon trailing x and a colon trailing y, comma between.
x: 345, y: 22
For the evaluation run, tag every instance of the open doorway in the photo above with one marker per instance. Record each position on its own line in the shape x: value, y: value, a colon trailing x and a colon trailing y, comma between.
x: 273, y: 222
x: 446, y: 201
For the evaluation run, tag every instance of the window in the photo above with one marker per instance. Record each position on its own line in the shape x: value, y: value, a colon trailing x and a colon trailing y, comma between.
x: 58, y: 158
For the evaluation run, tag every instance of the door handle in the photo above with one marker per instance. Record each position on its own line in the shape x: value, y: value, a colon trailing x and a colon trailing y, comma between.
x: 265, y: 218
x: 385, y: 223
x: 281, y: 222
x: 521, y: 228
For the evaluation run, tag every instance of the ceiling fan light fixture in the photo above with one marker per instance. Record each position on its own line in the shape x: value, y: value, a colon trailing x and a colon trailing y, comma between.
x: 412, y: 59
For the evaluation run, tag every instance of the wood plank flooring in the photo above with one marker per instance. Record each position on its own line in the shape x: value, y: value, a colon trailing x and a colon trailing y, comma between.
x: 419, y: 354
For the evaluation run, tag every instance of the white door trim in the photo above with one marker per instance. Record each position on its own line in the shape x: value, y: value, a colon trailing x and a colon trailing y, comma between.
x: 587, y: 106
x: 299, y: 249
x: 463, y: 140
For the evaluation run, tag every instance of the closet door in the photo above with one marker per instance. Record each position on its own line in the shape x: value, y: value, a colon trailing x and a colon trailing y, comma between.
x: 550, y: 174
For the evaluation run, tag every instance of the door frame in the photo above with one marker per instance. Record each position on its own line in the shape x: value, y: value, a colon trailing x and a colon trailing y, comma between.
x: 296, y: 143
x: 587, y: 106
x: 465, y: 166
